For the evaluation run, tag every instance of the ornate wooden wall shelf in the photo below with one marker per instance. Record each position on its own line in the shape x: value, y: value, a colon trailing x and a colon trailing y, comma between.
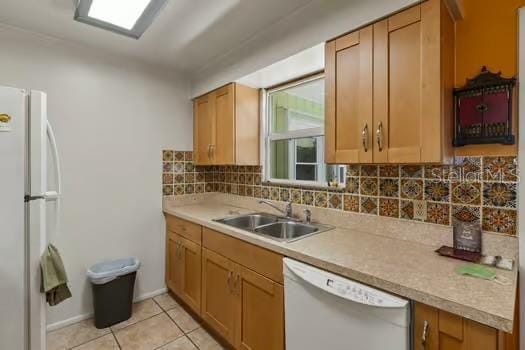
x: 483, y: 110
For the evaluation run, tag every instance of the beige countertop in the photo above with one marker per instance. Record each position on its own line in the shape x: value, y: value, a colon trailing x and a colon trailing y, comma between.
x: 405, y: 268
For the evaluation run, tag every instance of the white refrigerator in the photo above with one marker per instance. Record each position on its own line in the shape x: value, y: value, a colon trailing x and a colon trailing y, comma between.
x: 25, y: 137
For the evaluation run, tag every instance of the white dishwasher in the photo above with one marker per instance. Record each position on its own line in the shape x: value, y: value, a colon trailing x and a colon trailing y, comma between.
x: 324, y: 311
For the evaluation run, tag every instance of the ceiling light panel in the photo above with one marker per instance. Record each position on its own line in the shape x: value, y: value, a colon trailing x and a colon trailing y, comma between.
x: 127, y: 17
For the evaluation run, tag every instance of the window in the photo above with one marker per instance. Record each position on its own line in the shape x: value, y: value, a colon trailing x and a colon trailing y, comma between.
x: 295, y: 135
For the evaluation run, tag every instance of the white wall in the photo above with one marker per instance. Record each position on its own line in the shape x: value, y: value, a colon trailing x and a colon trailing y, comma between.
x: 111, y: 117
x: 292, y: 35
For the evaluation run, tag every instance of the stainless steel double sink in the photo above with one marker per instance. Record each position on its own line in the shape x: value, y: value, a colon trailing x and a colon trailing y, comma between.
x: 275, y: 227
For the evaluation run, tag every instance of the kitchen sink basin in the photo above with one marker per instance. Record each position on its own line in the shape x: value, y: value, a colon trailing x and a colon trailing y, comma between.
x: 250, y: 222
x: 274, y: 227
x: 286, y: 230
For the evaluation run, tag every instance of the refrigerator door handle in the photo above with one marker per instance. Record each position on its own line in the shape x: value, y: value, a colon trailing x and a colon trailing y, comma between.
x: 54, y: 195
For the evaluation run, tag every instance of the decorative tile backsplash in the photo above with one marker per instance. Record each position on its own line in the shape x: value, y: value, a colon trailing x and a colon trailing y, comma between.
x: 474, y: 189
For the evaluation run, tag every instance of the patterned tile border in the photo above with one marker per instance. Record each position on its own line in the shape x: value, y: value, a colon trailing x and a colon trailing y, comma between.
x: 474, y: 189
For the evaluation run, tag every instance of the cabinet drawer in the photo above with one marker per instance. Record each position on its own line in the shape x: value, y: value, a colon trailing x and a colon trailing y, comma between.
x: 184, y: 228
x: 260, y: 260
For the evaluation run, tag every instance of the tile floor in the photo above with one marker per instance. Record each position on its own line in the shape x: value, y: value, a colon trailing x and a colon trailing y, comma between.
x: 157, y: 324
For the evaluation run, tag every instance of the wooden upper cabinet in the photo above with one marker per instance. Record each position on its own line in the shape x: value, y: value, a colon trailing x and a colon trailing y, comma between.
x: 223, y: 150
x: 349, y: 98
x: 226, y: 126
x: 392, y: 83
x: 203, y: 129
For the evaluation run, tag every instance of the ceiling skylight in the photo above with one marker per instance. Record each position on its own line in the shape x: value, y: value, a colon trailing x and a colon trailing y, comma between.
x: 127, y: 17
x: 122, y: 13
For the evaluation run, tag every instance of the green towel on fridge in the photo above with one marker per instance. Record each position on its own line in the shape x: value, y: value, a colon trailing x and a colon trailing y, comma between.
x: 54, y: 277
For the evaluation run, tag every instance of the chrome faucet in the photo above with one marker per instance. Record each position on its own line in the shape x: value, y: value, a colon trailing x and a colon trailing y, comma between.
x: 287, y: 211
x: 307, y: 216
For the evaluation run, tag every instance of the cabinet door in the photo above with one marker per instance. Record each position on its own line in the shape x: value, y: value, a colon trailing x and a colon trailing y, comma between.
x: 191, y: 274
x: 173, y: 262
x: 218, y: 297
x: 260, y: 324
x: 445, y: 331
x: 203, y: 129
x: 348, y: 124
x: 408, y: 86
x: 224, y: 149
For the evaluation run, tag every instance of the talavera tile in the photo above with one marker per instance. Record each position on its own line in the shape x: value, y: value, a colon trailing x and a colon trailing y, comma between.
x: 437, y: 191
x: 308, y: 198
x: 178, y: 156
x: 466, y: 193
x: 412, y: 171
x: 438, y: 213
x: 499, y: 194
x: 500, y: 220
x: 466, y: 213
x: 389, y: 187
x: 407, y: 209
x: 499, y: 169
x: 368, y: 205
x: 369, y: 186
x: 321, y: 199
x: 296, y: 196
x: 167, y: 155
x: 412, y: 188
x: 335, y: 201
x: 468, y: 186
x: 389, y: 207
x: 352, y: 185
x: 351, y: 203
x: 389, y: 171
x: 369, y: 170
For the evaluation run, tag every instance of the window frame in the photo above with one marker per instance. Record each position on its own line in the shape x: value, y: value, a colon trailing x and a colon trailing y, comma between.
x: 268, y: 137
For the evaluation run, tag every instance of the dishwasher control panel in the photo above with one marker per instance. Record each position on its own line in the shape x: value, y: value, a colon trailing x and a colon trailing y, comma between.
x: 343, y: 287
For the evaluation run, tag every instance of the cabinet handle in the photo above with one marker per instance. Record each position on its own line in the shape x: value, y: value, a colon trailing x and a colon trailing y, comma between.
x: 424, y: 336
x: 212, y: 151
x: 229, y: 280
x: 209, y: 152
x: 379, y: 135
x: 236, y: 282
x: 364, y: 137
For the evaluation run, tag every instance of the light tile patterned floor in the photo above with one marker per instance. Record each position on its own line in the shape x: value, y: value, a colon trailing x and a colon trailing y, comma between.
x: 157, y: 324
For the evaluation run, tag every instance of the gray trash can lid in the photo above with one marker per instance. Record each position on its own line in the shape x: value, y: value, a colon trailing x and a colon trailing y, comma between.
x: 105, y: 272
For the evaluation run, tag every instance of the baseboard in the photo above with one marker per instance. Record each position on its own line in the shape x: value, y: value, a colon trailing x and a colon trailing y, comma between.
x: 79, y: 318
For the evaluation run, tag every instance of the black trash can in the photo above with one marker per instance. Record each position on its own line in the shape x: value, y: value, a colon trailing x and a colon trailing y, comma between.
x: 113, y: 283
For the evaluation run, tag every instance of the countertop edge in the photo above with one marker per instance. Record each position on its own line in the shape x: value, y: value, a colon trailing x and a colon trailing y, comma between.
x: 494, y: 321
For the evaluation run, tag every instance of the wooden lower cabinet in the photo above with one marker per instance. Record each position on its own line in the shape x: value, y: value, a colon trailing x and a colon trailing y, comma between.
x: 436, y: 329
x: 219, y: 300
x: 183, y: 269
x: 244, y: 307
x: 260, y: 319
x: 190, y: 290
x: 173, y: 262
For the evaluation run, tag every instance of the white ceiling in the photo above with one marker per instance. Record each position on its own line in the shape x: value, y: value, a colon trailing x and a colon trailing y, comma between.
x: 188, y: 35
